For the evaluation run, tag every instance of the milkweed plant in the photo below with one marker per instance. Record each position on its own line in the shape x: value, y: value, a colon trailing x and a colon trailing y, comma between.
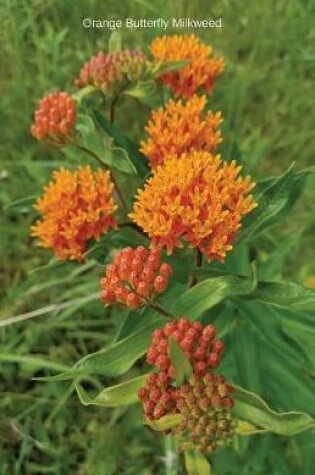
x: 175, y: 226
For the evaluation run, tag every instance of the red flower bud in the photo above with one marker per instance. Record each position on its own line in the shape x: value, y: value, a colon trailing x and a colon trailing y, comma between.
x: 55, y: 119
x: 213, y: 360
x: 143, y: 289
x: 165, y: 270
x: 217, y: 347
x: 133, y: 300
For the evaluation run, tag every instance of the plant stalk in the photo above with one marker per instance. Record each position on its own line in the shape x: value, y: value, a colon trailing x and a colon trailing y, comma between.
x: 198, y: 264
x: 171, y: 457
x: 160, y: 310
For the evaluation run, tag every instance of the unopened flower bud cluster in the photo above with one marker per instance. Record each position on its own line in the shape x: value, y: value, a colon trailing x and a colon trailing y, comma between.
x: 112, y: 71
x: 204, y: 401
x: 196, y: 340
x: 135, y: 277
x: 205, y: 404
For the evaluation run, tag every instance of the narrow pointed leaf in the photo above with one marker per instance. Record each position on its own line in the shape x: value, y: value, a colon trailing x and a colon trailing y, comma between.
x: 286, y: 295
x: 142, y: 90
x: 169, y: 67
x: 114, y: 43
x: 138, y: 160
x: 245, y: 428
x: 182, y: 366
x: 165, y: 423
x: 196, y: 463
x: 251, y: 408
x: 120, y: 395
x: 114, y: 360
x: 277, y: 197
x: 195, y: 301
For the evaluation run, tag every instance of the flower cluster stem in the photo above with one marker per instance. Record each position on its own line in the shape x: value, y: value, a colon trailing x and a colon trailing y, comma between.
x: 155, y: 306
x: 199, y: 264
x: 171, y: 458
x: 112, y: 109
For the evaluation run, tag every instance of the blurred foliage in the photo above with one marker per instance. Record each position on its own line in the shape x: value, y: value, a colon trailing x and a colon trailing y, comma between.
x: 265, y: 96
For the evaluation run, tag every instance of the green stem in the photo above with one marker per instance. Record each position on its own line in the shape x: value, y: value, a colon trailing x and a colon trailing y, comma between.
x: 171, y: 457
x: 161, y: 310
x: 199, y: 264
x: 134, y: 226
x: 112, y: 111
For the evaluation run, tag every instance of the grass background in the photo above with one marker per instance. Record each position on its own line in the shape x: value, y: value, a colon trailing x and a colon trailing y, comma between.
x: 266, y: 97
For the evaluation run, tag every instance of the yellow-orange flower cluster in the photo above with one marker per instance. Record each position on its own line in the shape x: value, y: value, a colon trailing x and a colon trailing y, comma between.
x: 200, y: 73
x: 112, y: 71
x: 181, y: 127
x: 55, y: 118
x: 76, y: 206
x: 197, y: 198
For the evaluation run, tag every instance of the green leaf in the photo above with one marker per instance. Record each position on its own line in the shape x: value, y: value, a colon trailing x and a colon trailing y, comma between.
x: 114, y: 360
x: 279, y: 359
x: 142, y: 90
x: 271, y: 268
x: 236, y: 153
x: 196, y: 463
x: 114, y: 43
x: 275, y: 199
x: 285, y: 295
x: 245, y: 428
x: 92, y: 142
x: 195, y: 301
x: 165, y: 423
x: 251, y: 408
x: 182, y: 365
x: 134, y: 320
x: 169, y: 67
x: 22, y: 205
x: 120, y: 395
x: 303, y: 333
x: 138, y: 160
x: 81, y: 94
x: 236, y: 263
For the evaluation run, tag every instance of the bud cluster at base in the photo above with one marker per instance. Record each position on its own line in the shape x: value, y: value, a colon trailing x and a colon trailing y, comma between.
x: 135, y: 277
x: 204, y: 401
x: 205, y: 404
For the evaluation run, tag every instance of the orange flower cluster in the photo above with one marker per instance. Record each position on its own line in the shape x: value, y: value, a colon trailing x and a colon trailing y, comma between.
x: 197, y: 198
x: 112, y: 71
x: 55, y: 118
x: 181, y: 127
x: 134, y: 277
x: 200, y: 73
x: 75, y: 207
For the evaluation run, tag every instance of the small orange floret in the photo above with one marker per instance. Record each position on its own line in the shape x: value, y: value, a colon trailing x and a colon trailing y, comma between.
x: 112, y: 71
x: 55, y: 118
x: 181, y: 127
x: 196, y: 198
x: 76, y: 206
x: 200, y: 73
